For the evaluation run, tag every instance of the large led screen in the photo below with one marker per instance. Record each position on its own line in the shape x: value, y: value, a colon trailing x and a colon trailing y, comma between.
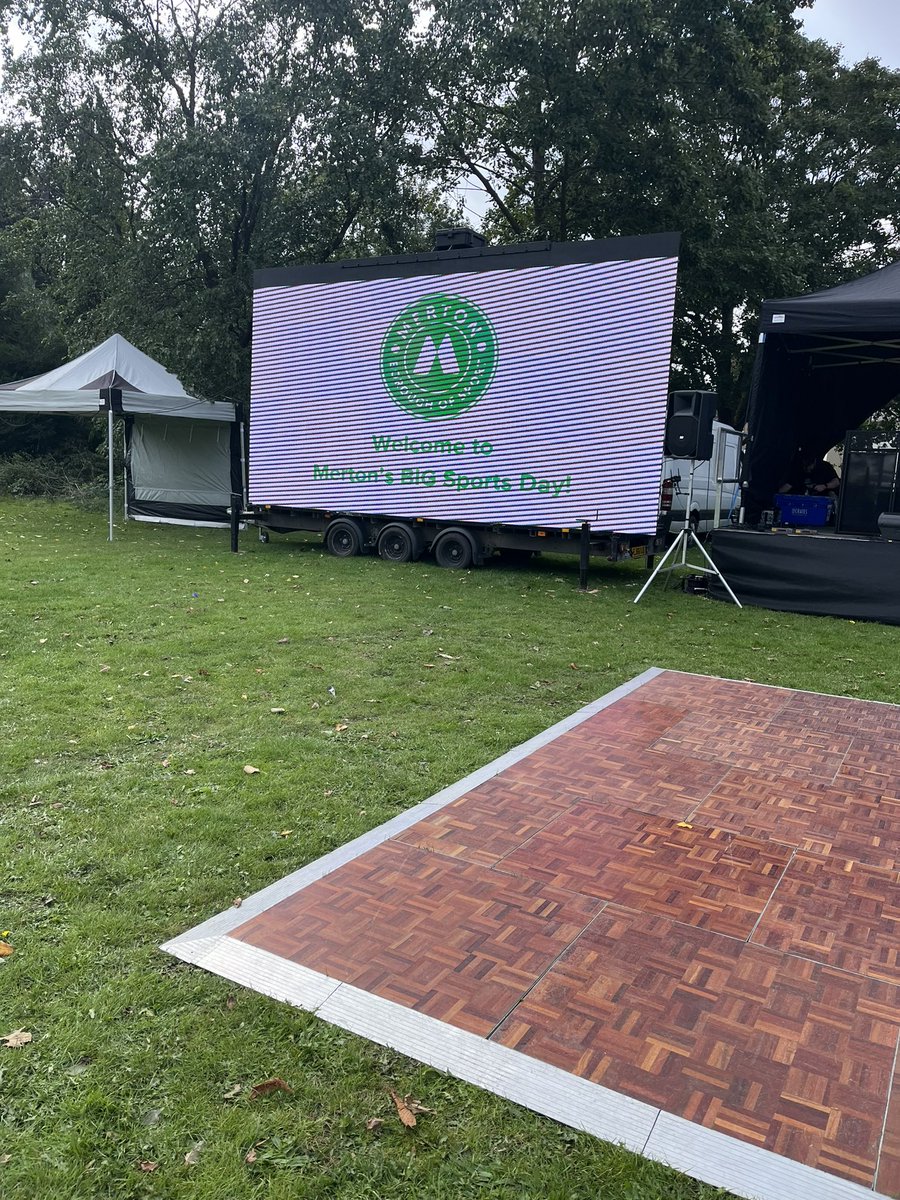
x: 529, y: 396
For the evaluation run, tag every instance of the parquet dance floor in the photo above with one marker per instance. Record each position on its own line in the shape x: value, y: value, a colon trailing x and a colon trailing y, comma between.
x: 688, y: 895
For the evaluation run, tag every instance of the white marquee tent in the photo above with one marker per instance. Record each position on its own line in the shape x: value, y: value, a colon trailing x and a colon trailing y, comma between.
x: 183, y: 455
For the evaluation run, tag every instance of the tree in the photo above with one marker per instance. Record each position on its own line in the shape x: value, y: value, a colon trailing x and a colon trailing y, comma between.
x: 590, y: 118
x: 182, y: 145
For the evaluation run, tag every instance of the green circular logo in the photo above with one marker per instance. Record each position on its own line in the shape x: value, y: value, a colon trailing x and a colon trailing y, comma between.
x: 439, y: 356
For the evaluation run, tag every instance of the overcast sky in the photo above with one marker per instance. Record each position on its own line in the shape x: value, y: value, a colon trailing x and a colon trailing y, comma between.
x: 865, y: 28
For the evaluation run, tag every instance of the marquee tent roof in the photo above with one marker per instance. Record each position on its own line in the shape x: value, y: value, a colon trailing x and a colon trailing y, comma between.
x: 826, y: 362
x: 179, y: 471
x: 76, y: 387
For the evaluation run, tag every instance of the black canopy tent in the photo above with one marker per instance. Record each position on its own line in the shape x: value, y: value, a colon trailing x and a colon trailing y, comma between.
x: 826, y: 362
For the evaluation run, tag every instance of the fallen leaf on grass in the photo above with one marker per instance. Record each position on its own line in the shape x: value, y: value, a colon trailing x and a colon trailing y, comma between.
x: 275, y: 1084
x: 286, y: 833
x: 193, y: 1155
x: 374, y: 1123
x: 277, y: 711
x: 16, y: 1039
x: 148, y: 1166
x: 248, y: 770
x: 233, y: 1092
x: 230, y: 1002
x: 250, y: 1156
x: 5, y: 950
x: 449, y: 657
x: 407, y: 1116
x: 282, y: 641
x: 415, y: 1107
x: 340, y: 728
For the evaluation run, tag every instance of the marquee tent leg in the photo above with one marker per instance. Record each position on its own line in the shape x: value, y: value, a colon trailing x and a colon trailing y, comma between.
x: 111, y: 455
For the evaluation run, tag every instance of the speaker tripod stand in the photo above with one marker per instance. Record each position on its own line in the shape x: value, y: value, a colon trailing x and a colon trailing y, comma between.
x: 686, y: 538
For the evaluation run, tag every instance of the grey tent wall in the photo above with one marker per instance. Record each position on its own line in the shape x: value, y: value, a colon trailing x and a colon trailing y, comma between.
x: 181, y: 471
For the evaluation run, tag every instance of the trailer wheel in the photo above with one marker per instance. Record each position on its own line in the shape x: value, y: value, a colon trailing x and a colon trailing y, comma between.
x: 399, y: 543
x: 454, y: 549
x: 344, y: 538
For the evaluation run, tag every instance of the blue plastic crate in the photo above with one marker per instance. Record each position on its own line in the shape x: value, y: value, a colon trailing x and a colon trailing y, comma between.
x: 804, y: 510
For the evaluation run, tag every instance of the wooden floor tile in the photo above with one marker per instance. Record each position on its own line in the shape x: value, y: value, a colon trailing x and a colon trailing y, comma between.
x: 747, y: 703
x: 577, y: 765
x: 837, y: 911
x: 790, y: 1055
x: 875, y: 769
x: 632, y: 720
x: 838, y: 714
x: 691, y: 897
x: 795, y: 753
x: 888, y: 1178
x: 870, y: 828
x: 456, y: 941
x: 709, y: 878
x: 488, y: 822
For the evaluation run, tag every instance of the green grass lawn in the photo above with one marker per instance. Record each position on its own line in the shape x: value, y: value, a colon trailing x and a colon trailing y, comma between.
x: 137, y: 680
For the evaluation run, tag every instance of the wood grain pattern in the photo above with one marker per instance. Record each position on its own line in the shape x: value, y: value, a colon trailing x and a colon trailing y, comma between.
x: 706, y: 877
x: 490, y: 821
x: 887, y: 1179
x: 837, y: 911
x: 453, y: 940
x: 788, y: 1054
x: 693, y: 898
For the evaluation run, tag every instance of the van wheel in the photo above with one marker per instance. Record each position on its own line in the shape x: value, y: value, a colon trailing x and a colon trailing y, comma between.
x: 454, y: 549
x: 399, y: 543
x: 344, y: 538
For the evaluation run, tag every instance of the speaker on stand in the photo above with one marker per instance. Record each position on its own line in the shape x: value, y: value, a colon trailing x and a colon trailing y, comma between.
x: 689, y: 434
x: 689, y: 425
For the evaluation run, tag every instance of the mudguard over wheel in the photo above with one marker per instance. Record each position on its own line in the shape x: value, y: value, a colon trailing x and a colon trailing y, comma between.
x: 454, y: 549
x: 344, y: 537
x: 399, y: 543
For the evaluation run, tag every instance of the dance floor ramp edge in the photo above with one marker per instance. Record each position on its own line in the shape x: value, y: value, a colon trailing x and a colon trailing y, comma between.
x: 728, y: 956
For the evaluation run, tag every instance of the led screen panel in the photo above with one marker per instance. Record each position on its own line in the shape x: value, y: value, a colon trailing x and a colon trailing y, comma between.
x: 532, y: 395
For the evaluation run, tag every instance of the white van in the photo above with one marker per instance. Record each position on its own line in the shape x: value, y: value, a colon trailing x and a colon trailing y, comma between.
x: 716, y: 487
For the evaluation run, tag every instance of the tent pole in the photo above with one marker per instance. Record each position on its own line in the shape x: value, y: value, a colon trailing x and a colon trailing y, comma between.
x: 112, y: 481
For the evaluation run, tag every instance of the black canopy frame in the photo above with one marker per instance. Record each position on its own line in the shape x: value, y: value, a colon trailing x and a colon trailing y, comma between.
x: 826, y: 362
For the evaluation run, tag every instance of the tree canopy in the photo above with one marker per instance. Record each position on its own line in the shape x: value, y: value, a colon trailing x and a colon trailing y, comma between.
x: 158, y: 151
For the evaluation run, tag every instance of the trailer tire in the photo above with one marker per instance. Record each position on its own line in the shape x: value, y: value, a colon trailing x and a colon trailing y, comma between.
x: 344, y: 538
x: 399, y: 543
x: 454, y: 549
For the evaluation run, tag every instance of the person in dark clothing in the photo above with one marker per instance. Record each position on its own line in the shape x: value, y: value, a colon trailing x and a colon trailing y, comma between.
x: 811, y: 476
